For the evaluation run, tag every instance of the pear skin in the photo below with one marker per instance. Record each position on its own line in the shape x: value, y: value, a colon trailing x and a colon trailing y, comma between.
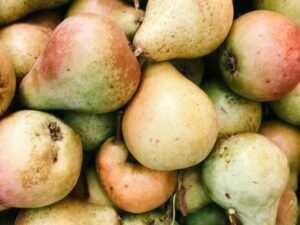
x: 126, y: 16
x: 13, y: 10
x: 7, y: 80
x: 247, y: 173
x: 40, y: 163
x: 183, y: 29
x: 289, y: 8
x: 288, y: 208
x: 287, y: 138
x: 25, y: 40
x: 133, y: 188
x: 170, y: 123
x: 81, y: 72
x: 69, y: 211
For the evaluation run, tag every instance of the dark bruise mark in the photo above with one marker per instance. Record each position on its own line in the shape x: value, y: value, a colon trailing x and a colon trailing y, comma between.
x: 68, y: 69
x: 126, y: 186
x: 55, y: 131
x: 254, y: 182
x: 230, y: 62
x: 227, y: 195
x: 111, y: 189
x: 268, y: 81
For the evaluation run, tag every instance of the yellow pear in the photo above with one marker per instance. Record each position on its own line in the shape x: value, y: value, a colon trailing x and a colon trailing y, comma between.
x: 170, y: 123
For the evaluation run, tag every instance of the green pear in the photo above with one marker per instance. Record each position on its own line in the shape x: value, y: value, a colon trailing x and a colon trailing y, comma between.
x: 80, y: 71
x: 155, y: 217
x: 93, y: 129
x: 182, y: 29
x: 236, y: 114
x: 133, y: 188
x: 209, y: 215
x: 126, y: 16
x: 92, y: 191
x: 192, y: 195
x: 287, y: 138
x: 69, y: 211
x: 13, y: 10
x: 7, y: 80
x: 193, y: 69
x: 25, y: 40
x: 288, y: 107
x: 247, y: 173
x: 170, y: 123
x: 289, y: 8
x: 40, y: 162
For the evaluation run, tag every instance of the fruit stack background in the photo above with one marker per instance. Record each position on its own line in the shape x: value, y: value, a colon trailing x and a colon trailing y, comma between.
x: 149, y: 112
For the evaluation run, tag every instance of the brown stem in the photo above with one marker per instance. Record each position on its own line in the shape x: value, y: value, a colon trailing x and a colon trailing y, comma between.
x: 118, y: 134
x: 232, y: 217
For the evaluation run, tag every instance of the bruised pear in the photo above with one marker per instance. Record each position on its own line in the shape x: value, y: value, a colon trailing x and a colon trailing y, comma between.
x: 40, y: 163
x: 247, y: 173
x: 126, y: 16
x: 13, y: 10
x: 170, y: 123
x: 7, y: 81
x: 133, y: 188
x: 25, y: 40
x: 182, y: 29
x: 69, y: 211
x: 87, y: 66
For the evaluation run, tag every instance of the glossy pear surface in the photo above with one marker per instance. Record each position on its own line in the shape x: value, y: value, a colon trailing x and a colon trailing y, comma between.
x: 170, y: 123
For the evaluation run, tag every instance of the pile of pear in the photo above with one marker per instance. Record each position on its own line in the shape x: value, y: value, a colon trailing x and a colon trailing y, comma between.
x: 158, y: 112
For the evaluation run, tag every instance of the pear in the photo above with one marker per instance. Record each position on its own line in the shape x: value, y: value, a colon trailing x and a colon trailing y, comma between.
x: 7, y: 81
x: 255, y: 61
x: 192, y: 195
x: 155, y: 217
x: 289, y: 8
x: 13, y: 10
x: 247, y: 173
x: 93, y: 129
x: 133, y: 188
x: 193, y: 69
x: 287, y: 108
x: 170, y: 123
x: 288, y: 208
x: 287, y: 138
x: 183, y: 29
x: 40, y: 162
x: 236, y: 114
x: 209, y: 215
x: 69, y: 211
x: 25, y: 40
x: 80, y: 71
x: 126, y: 16
x: 92, y: 191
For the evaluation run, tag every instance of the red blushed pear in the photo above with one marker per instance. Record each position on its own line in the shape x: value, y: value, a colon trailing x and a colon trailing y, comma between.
x: 287, y: 138
x: 287, y: 208
x: 133, y: 188
x: 260, y: 58
x: 87, y: 66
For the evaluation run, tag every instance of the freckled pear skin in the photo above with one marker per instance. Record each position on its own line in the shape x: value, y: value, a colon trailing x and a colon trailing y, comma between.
x: 13, y: 10
x: 170, y: 123
x: 247, y: 172
x: 87, y: 66
x: 40, y: 163
x: 7, y: 80
x: 183, y: 29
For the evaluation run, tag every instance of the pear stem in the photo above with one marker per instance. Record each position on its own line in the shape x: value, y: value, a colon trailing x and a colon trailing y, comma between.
x: 138, y: 52
x: 231, y: 216
x: 118, y: 134
x: 136, y: 4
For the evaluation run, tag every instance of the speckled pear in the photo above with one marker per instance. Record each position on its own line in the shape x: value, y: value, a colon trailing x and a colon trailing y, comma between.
x: 87, y: 66
x: 183, y: 29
